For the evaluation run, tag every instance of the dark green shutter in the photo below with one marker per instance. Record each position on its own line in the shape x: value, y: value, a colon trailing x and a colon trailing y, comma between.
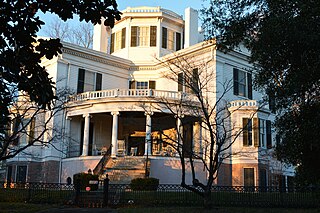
x: 245, y: 131
x: 134, y: 31
x: 235, y: 81
x: 249, y: 78
x: 178, y: 41
x: 152, y: 84
x: 256, y: 132
x: 81, y: 75
x: 112, y: 43
x: 98, y: 81
x: 123, y: 38
x: 153, y: 36
x: 132, y: 84
x: 180, y: 82
x: 164, y: 37
x: 269, y: 135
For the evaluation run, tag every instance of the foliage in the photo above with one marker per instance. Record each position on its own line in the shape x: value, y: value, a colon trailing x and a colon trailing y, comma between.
x: 21, y: 52
x: 144, y: 184
x: 82, y: 180
x: 283, y: 37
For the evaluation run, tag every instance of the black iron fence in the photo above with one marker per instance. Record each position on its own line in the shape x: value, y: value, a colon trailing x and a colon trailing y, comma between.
x: 121, y: 195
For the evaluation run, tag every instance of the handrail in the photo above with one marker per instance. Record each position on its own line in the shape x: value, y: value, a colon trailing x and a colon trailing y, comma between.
x: 99, y: 167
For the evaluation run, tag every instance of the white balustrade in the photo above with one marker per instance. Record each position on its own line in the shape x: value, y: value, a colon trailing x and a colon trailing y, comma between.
x: 93, y: 95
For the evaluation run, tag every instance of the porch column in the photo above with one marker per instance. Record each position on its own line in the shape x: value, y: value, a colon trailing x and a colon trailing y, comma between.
x: 198, y: 138
x: 85, y: 148
x: 114, y: 137
x: 147, y: 146
x: 67, y: 135
x: 179, y: 133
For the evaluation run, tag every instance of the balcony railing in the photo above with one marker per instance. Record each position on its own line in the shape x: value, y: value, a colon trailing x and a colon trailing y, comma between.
x: 247, y: 103
x: 133, y: 93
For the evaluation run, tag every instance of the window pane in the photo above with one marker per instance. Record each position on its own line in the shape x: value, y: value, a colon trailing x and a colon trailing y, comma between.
x: 143, y: 36
x: 170, y: 40
x: 142, y: 85
x: 89, y: 81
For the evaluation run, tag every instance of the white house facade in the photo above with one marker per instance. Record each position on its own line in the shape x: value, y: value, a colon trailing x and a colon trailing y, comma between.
x: 110, y: 124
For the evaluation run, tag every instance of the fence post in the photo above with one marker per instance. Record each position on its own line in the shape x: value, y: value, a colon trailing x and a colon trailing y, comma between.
x: 105, y: 191
x: 77, y: 188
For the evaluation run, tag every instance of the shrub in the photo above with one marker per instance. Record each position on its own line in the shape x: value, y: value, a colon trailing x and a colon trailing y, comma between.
x: 82, y: 180
x: 144, y: 184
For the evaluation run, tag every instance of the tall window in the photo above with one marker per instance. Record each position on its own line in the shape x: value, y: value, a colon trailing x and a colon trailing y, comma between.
x: 32, y: 127
x: 143, y: 36
x: 170, y: 39
x: 248, y: 177
x: 21, y: 174
x: 242, y: 83
x: 250, y: 132
x: 190, y: 82
x: 88, y: 81
x: 118, y: 40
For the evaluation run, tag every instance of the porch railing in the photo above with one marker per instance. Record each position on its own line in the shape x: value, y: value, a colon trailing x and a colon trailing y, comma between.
x: 113, y: 93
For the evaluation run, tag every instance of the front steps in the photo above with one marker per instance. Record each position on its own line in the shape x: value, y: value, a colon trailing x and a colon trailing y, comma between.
x: 122, y: 170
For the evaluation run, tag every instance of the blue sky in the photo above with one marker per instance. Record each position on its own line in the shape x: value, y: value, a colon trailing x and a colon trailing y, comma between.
x: 177, y: 6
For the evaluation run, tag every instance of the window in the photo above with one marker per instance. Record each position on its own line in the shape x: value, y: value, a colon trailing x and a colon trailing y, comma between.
x: 262, y: 179
x: 262, y: 132
x: 171, y: 40
x: 248, y: 177
x: 21, y: 174
x: 189, y: 84
x: 142, y: 84
x: 118, y: 40
x: 250, y: 134
x: 269, y: 134
x: 88, y: 81
x: 242, y: 83
x: 143, y: 36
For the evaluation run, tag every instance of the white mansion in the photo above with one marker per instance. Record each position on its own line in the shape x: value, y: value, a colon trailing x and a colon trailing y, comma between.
x: 111, y: 126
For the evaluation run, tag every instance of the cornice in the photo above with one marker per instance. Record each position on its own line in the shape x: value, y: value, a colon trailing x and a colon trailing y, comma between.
x: 96, y: 56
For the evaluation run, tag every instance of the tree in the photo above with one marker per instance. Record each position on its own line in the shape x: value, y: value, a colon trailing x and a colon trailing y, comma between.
x: 205, y: 102
x: 283, y: 37
x: 80, y: 34
x: 31, y: 125
x: 21, y: 51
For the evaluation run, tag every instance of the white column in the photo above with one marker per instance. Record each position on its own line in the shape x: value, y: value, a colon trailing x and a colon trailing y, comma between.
x: 179, y: 133
x: 197, y: 146
x: 85, y: 148
x: 114, y: 137
x: 67, y: 135
x: 148, y: 142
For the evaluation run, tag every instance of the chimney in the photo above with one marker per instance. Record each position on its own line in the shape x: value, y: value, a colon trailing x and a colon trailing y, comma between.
x: 191, y: 27
x: 101, y: 34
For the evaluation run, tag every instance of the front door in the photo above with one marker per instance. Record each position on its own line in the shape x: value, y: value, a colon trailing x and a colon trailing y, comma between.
x: 137, y: 144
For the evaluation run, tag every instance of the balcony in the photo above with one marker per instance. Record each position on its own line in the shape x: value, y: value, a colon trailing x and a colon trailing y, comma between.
x: 133, y: 93
x: 248, y: 104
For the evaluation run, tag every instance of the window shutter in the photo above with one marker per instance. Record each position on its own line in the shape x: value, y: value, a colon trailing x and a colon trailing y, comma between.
x: 123, y: 38
x: 134, y: 31
x: 112, y: 43
x: 249, y: 78
x: 245, y: 131
x: 98, y: 81
x: 132, y: 84
x: 153, y: 36
x: 269, y: 135
x: 164, y: 37
x: 178, y: 41
x: 272, y: 103
x: 195, y: 81
x: 152, y: 84
x: 81, y: 75
x: 180, y: 82
x: 235, y: 81
x: 256, y: 132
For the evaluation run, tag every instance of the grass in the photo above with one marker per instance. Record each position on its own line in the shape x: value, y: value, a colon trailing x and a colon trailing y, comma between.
x: 216, y: 210
x: 23, y: 207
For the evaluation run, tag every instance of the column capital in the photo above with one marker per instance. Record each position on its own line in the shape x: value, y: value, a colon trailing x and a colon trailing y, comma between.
x: 86, y: 115
x: 148, y: 113
x: 115, y: 113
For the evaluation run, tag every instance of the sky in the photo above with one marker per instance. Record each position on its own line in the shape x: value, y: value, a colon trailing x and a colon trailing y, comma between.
x: 177, y: 6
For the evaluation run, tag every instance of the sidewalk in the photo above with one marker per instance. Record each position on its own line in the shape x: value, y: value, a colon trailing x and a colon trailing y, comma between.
x: 77, y: 210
